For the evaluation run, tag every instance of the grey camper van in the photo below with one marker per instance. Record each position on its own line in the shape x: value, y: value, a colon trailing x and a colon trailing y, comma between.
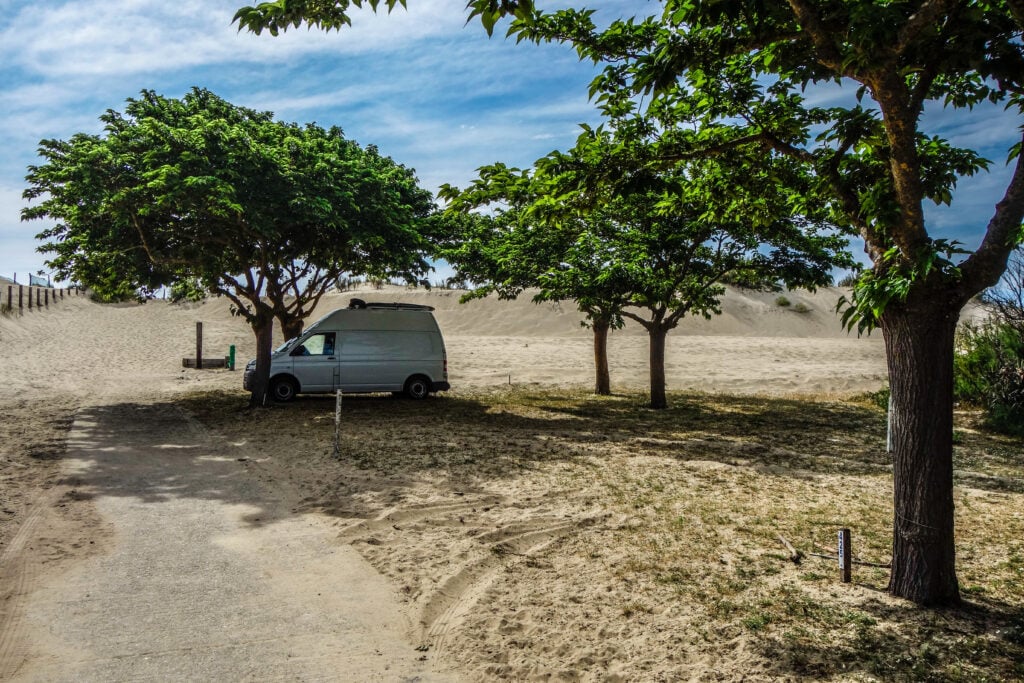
x: 364, y: 348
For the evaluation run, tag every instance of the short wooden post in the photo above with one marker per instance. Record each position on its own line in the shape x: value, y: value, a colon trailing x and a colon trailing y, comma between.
x: 199, y: 346
x: 46, y: 297
x: 21, y: 302
x: 38, y: 298
x: 845, y: 556
x: 10, y: 297
x: 30, y: 298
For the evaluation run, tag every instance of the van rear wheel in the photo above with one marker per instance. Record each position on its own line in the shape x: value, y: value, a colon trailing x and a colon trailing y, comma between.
x: 283, y: 389
x: 418, y: 387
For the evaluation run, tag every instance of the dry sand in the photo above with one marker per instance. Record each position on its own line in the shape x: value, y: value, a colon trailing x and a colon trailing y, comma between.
x: 77, y: 355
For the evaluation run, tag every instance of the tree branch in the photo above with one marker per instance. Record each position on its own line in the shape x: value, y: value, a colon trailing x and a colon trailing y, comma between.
x: 984, y: 268
x: 828, y: 53
x: 927, y: 14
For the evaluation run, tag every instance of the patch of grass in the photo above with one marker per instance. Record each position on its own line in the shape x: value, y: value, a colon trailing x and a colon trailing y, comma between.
x: 801, y: 307
x: 782, y: 301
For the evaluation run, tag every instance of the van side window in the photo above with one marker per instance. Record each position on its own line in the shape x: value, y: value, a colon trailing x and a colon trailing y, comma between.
x: 317, y: 345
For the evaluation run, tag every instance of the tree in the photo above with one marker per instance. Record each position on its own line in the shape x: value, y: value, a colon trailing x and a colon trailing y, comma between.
x: 734, y: 73
x: 658, y: 249
x: 265, y: 213
x: 511, y: 251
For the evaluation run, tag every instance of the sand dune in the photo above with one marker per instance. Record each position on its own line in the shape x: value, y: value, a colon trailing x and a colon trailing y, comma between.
x: 755, y: 346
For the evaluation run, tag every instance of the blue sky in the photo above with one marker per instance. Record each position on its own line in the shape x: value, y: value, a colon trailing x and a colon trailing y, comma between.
x: 430, y: 91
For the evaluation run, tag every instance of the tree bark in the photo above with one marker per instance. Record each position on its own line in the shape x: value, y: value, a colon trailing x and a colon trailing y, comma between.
x: 657, y: 365
x: 603, y: 385
x: 292, y: 328
x: 263, y: 328
x: 919, y: 352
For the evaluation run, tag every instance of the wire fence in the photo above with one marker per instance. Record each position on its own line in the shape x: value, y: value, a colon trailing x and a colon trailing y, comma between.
x: 15, y: 298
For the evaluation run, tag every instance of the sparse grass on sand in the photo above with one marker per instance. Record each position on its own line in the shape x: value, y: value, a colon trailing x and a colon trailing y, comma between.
x: 555, y: 533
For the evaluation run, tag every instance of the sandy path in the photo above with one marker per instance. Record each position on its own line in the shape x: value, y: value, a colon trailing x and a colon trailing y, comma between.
x: 210, y: 577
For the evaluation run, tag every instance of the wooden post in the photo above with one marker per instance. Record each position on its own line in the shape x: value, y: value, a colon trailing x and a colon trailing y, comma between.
x: 21, y: 304
x: 10, y: 297
x: 30, y: 297
x: 38, y: 298
x: 845, y: 556
x: 199, y: 346
x: 46, y: 297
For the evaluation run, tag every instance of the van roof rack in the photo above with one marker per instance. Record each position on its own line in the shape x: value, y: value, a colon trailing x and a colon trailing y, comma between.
x: 393, y: 305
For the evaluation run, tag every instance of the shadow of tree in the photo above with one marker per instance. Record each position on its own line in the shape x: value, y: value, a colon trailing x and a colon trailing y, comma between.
x: 972, y: 643
x: 154, y: 453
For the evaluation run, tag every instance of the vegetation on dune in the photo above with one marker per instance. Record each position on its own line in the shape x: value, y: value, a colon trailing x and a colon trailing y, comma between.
x: 990, y: 355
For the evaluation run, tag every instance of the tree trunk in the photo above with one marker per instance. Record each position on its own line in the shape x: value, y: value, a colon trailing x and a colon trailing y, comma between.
x: 603, y: 385
x: 919, y: 351
x: 657, y: 363
x: 291, y: 327
x: 263, y: 328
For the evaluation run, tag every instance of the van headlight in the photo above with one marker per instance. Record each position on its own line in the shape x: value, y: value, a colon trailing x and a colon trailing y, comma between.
x: 251, y: 365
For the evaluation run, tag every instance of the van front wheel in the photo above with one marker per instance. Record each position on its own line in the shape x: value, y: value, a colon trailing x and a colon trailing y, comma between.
x: 417, y: 387
x: 283, y: 389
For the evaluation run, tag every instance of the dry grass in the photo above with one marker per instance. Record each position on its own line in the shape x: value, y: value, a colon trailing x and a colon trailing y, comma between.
x: 668, y: 561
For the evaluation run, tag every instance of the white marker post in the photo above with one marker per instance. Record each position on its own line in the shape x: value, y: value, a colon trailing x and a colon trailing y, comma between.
x: 337, y: 424
x: 888, y: 425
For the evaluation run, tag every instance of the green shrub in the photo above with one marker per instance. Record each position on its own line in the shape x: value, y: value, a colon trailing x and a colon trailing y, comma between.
x: 880, y: 398
x: 188, y: 289
x: 801, y: 307
x: 782, y: 301
x: 989, y: 373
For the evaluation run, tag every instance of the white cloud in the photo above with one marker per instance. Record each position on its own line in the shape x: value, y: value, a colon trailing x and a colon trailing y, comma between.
x: 108, y: 38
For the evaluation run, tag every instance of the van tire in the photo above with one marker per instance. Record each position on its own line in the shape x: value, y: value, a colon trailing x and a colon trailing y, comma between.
x: 418, y: 387
x: 283, y: 389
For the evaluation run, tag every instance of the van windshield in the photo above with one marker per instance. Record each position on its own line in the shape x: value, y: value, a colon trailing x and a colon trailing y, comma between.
x: 284, y: 347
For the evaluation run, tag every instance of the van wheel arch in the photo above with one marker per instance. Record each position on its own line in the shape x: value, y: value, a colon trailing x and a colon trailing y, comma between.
x: 418, y: 387
x: 283, y: 388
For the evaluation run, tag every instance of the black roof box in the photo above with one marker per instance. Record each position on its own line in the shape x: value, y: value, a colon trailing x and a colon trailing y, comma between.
x: 394, y: 305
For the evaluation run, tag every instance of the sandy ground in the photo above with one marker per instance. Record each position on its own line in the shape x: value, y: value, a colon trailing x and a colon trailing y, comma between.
x: 62, y: 522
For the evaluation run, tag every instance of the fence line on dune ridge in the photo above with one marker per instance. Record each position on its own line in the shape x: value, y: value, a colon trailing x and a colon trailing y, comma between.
x: 37, y: 299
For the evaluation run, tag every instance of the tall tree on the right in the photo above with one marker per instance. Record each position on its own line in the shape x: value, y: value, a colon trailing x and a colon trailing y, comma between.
x: 734, y: 73
x: 731, y: 73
